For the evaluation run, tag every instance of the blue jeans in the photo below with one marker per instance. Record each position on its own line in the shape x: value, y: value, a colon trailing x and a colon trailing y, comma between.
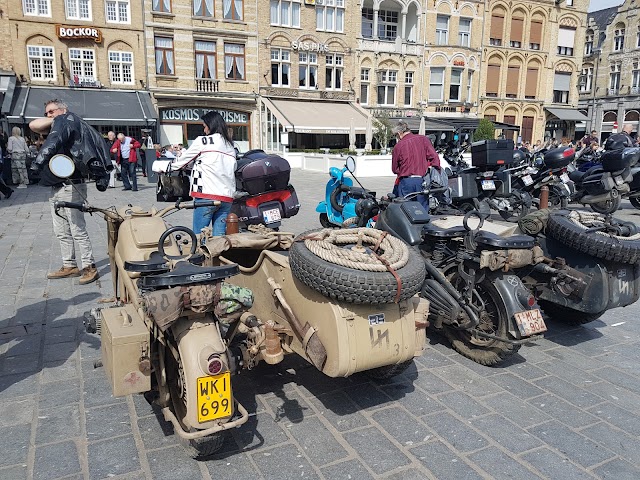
x: 205, y: 216
x: 413, y: 184
x: 129, y: 174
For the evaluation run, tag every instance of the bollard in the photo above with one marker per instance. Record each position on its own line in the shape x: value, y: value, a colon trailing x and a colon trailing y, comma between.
x: 232, y: 224
x: 544, y: 197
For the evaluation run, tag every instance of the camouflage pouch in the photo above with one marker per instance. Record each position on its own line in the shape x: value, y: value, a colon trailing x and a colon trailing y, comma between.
x: 232, y: 302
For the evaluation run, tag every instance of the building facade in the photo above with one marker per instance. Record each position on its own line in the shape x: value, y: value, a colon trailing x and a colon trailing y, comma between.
x: 202, y: 56
x: 531, y: 60
x: 610, y: 83
x: 87, y: 53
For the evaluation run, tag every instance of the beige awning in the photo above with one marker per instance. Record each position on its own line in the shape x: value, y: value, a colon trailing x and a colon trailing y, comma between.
x: 317, y: 117
x: 568, y: 114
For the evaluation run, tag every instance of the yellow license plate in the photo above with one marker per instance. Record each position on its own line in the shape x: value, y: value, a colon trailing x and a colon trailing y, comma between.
x: 214, y: 397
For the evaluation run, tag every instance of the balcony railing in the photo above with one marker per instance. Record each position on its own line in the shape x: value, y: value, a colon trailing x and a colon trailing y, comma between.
x: 635, y: 90
x: 84, y: 82
x: 398, y: 46
x: 614, y: 91
x: 206, y: 85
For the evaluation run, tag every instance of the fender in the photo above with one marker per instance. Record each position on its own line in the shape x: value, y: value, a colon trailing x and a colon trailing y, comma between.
x: 197, y: 339
x: 322, y: 207
x: 514, y: 297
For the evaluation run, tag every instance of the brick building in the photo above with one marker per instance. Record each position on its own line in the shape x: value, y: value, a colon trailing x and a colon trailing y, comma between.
x: 531, y: 65
x: 201, y: 56
x: 610, y: 84
x: 87, y: 53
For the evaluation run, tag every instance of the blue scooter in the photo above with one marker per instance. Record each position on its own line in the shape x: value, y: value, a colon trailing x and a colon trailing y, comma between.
x: 341, y: 197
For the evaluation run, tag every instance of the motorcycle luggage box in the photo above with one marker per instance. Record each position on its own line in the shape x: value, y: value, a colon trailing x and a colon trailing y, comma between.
x: 559, y: 157
x: 616, y: 160
x: 488, y: 153
x: 267, y: 173
x: 464, y: 186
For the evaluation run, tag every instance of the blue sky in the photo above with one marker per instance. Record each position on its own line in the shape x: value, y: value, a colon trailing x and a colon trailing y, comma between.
x: 600, y: 4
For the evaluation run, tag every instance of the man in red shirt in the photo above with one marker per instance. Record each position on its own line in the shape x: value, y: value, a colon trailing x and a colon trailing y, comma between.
x: 411, y: 157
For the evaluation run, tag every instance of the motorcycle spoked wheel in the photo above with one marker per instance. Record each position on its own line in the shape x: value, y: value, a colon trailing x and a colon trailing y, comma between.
x: 521, y: 208
x: 635, y: 202
x: 568, y: 315
x: 493, y: 320
x: 200, y: 447
x: 608, y: 206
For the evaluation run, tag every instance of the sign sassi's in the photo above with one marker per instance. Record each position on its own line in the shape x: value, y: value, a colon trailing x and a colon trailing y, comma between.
x: 76, y: 33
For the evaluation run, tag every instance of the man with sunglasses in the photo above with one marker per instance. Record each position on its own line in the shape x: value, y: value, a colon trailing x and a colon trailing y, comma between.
x: 71, y: 136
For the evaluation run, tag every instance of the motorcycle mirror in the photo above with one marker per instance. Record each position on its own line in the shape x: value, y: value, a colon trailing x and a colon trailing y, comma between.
x: 466, y: 136
x: 62, y: 166
x: 351, y: 164
x: 455, y: 137
x: 443, y: 136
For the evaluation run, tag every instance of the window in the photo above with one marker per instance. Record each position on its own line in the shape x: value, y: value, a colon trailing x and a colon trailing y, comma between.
x: 618, y: 39
x: 387, y: 24
x: 469, y: 83
x: 164, y: 55
x: 569, y: 3
x: 493, y: 80
x: 635, y: 78
x: 614, y: 78
x: 205, y: 59
x: 408, y: 89
x: 442, y: 30
x: 78, y: 9
x: 203, y: 8
x: 161, y: 6
x: 436, y: 84
x: 527, y: 128
x: 566, y: 39
x: 121, y: 67
x: 280, y: 67
x: 454, y: 85
x: 497, y: 27
x: 234, y: 61
x: 535, y: 35
x: 561, y: 87
x: 333, y: 79
x: 40, y: 8
x: 233, y: 9
x: 516, y: 33
x: 308, y: 70
x: 330, y: 15
x: 387, y: 83
x: 41, y: 63
x: 82, y: 64
x: 285, y: 13
x: 638, y: 38
x: 367, y: 23
x: 464, y: 32
x: 588, y: 43
x: 364, y: 86
x: 118, y: 11
x: 531, y: 85
x: 587, y: 78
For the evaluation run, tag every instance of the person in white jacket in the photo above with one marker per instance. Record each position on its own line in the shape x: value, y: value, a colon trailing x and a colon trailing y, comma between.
x: 212, y: 160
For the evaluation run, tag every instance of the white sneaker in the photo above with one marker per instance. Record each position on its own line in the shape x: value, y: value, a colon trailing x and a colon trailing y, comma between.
x: 22, y: 185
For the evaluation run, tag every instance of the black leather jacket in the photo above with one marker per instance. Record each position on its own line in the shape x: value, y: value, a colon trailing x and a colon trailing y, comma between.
x: 72, y: 136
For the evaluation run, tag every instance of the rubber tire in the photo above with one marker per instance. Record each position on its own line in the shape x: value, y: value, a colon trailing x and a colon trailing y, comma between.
x: 495, y: 351
x: 355, y: 286
x: 608, y: 206
x: 635, y: 202
x: 599, y: 246
x: 515, y: 216
x: 568, y: 315
x: 324, y: 221
x: 198, y: 448
x: 388, y: 371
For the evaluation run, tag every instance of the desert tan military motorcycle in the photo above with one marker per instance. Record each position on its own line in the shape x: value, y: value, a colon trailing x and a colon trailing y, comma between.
x: 177, y: 319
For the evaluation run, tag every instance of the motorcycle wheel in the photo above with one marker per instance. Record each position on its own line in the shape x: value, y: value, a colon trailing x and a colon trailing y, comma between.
x: 520, y: 209
x: 324, y: 221
x: 568, y: 315
x: 608, y: 206
x: 493, y: 320
x: 635, y: 202
x: 197, y: 448
x: 388, y: 371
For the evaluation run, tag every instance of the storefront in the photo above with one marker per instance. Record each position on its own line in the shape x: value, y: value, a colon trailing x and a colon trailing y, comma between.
x: 181, y: 125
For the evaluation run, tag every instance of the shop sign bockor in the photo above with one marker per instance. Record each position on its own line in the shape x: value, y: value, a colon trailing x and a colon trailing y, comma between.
x: 196, y: 114
x: 75, y: 33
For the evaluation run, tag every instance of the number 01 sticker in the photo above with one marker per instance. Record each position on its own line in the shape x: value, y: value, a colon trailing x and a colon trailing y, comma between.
x: 214, y: 397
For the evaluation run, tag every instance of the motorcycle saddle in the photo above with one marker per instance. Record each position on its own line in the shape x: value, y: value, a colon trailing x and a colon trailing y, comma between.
x: 156, y: 263
x: 514, y: 241
x: 186, y: 273
x: 432, y: 230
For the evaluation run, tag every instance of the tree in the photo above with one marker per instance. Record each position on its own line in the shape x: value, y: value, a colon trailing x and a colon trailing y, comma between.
x: 485, y: 131
x: 382, y: 129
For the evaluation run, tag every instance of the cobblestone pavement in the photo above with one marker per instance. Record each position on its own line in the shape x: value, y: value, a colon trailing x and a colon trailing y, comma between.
x: 568, y: 407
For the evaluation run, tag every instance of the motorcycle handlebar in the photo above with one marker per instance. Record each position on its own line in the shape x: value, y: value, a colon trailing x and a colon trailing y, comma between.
x: 78, y: 206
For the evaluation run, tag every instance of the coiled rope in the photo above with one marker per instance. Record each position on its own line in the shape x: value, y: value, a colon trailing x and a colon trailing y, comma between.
x: 587, y: 220
x: 387, y: 252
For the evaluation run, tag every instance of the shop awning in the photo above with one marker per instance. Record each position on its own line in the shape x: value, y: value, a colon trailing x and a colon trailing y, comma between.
x: 98, y: 107
x: 430, y: 125
x: 301, y: 116
x: 568, y: 114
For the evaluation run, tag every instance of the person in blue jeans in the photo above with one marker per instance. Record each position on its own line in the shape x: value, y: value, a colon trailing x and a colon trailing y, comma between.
x: 212, y: 160
x: 125, y: 151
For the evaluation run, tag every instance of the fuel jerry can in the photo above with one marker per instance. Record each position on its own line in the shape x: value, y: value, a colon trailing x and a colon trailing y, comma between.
x: 125, y: 350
